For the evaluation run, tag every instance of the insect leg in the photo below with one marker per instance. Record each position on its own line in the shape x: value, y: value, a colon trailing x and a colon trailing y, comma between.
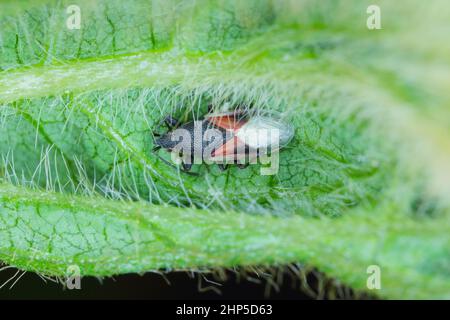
x: 186, y: 166
x: 222, y: 166
x: 173, y: 166
x: 242, y: 165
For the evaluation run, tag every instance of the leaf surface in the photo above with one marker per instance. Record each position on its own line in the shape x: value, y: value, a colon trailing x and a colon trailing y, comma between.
x: 364, y: 182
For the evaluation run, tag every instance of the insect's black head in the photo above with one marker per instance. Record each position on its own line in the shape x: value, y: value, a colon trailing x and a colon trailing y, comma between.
x: 165, y: 141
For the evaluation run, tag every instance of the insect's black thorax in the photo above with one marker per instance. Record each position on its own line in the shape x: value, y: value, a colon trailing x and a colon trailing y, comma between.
x: 194, y: 136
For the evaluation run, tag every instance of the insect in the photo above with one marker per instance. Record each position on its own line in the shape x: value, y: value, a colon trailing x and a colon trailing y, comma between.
x: 238, y: 138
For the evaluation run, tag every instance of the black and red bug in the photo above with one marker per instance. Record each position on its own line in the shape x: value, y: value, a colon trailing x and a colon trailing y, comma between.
x: 236, y: 144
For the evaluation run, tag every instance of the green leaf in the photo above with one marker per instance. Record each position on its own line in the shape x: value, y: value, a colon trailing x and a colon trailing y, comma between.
x: 47, y: 232
x: 364, y: 182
